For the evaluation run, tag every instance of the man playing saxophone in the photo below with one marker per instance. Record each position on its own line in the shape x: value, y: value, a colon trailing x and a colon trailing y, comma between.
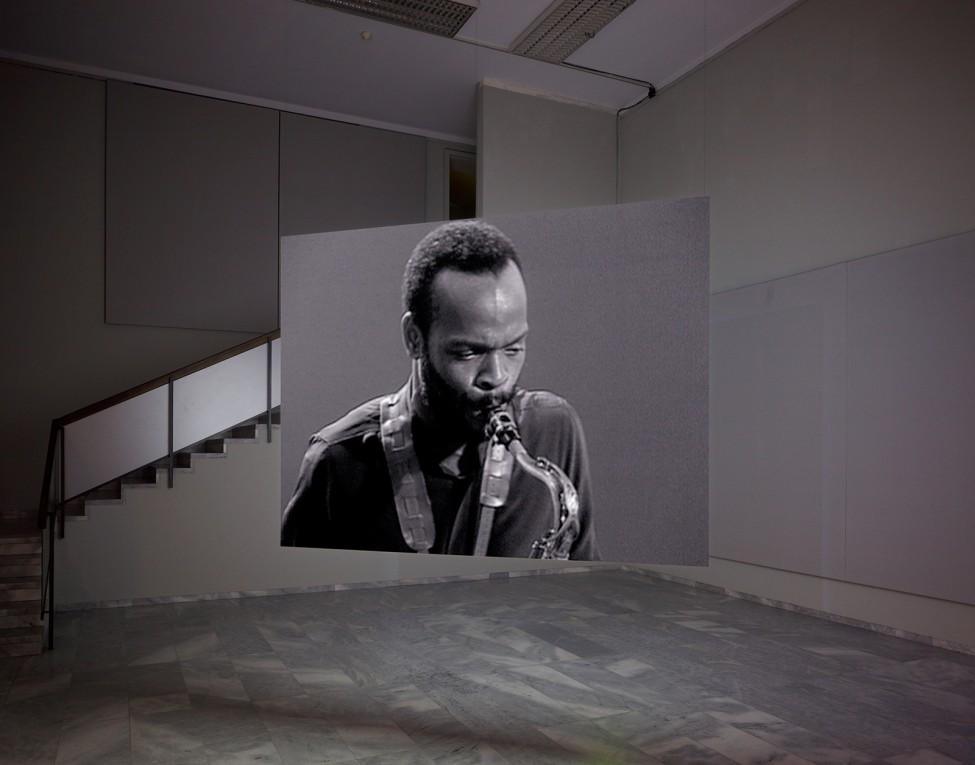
x: 460, y: 460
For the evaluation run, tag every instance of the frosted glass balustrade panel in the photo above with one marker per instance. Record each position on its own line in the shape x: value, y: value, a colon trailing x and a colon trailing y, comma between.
x: 216, y: 398
x: 115, y: 441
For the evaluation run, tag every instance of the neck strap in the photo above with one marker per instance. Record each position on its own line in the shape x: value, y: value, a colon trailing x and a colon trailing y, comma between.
x: 409, y: 487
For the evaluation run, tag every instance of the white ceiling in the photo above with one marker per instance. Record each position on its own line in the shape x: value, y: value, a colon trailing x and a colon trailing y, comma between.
x: 306, y: 58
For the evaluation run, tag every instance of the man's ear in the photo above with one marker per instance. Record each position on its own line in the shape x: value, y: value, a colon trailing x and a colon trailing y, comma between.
x: 412, y: 336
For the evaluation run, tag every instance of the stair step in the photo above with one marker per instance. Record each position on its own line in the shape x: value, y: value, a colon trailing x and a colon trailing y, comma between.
x: 18, y: 594
x: 76, y: 507
x: 21, y: 529
x: 16, y: 515
x: 244, y: 432
x: 20, y: 580
x: 142, y: 476
x: 110, y: 490
x: 103, y: 501
x: 27, y: 570
x: 33, y: 647
x: 10, y: 571
x: 19, y: 634
x: 20, y: 546
x: 19, y: 566
x: 25, y: 619
x: 20, y: 607
x: 261, y: 419
x: 21, y: 559
x: 181, y: 460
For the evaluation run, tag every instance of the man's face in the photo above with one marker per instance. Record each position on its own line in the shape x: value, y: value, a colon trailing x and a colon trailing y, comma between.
x: 474, y: 350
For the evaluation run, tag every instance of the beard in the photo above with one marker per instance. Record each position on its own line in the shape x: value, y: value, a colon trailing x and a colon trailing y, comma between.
x: 453, y: 411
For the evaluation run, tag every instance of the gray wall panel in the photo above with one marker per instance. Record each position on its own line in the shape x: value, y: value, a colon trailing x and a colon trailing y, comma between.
x: 192, y: 238
x: 537, y: 153
x: 911, y: 482
x: 841, y: 420
x: 778, y: 355
x: 336, y: 176
x: 618, y: 315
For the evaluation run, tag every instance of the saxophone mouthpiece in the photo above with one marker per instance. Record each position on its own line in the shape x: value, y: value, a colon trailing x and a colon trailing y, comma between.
x: 501, y: 427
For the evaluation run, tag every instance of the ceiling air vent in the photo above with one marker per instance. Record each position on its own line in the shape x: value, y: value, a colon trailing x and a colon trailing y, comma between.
x: 439, y: 17
x: 565, y: 26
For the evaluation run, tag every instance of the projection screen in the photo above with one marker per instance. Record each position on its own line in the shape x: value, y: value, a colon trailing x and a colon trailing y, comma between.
x: 614, y: 385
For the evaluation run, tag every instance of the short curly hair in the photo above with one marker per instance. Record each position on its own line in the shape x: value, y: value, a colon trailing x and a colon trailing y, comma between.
x: 471, y: 246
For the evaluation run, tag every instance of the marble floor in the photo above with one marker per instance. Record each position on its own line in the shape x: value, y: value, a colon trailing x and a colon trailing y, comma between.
x: 598, y: 668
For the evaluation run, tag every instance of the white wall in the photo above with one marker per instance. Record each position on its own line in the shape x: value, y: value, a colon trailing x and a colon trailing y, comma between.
x: 538, y: 153
x: 839, y: 131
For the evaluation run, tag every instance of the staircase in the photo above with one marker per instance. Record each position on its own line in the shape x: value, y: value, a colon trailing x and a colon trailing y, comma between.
x: 104, y: 440
x: 21, y: 541
x: 112, y: 493
x: 21, y: 627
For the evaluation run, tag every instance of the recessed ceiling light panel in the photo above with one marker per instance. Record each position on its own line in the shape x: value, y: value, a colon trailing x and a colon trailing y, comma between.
x: 565, y: 26
x: 439, y: 17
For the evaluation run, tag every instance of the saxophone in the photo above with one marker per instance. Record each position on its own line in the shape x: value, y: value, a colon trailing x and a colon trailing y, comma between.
x: 557, y: 543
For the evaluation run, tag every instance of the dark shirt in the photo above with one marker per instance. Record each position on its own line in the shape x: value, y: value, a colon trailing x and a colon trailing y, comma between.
x: 344, y: 496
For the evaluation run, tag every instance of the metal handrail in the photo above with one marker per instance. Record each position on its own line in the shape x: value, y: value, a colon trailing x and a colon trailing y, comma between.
x: 51, y: 514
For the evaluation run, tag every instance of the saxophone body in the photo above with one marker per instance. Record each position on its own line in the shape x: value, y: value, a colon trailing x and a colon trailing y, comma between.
x: 557, y: 543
